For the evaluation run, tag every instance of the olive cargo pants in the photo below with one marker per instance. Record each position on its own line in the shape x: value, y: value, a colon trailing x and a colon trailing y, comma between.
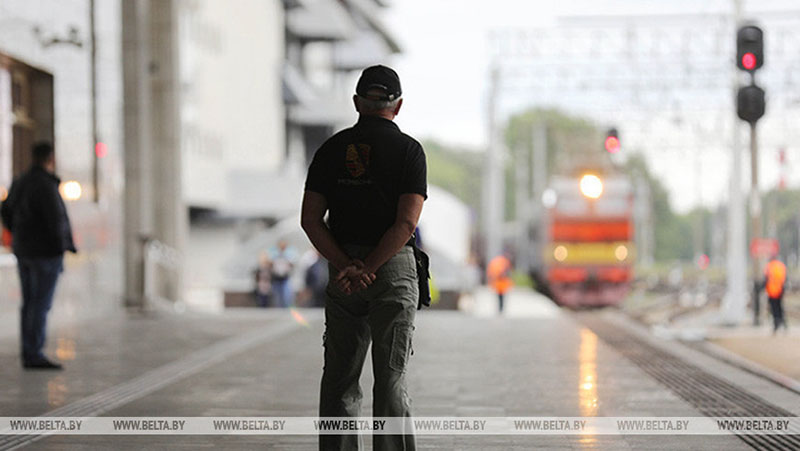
x: 383, y: 314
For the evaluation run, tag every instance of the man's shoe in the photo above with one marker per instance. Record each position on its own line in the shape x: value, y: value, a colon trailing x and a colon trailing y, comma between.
x: 42, y: 364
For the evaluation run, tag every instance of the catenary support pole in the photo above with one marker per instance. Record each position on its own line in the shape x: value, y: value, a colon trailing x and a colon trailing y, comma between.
x: 493, y: 180
x: 93, y: 102
x: 539, y: 184
x: 734, y: 303
x: 755, y: 218
x: 522, y: 206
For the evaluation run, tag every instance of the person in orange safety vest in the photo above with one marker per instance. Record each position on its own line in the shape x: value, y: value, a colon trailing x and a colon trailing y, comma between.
x: 774, y: 283
x: 498, y: 273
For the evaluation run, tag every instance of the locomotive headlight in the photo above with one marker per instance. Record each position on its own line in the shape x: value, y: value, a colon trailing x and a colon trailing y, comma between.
x: 621, y: 252
x: 560, y: 253
x: 591, y: 186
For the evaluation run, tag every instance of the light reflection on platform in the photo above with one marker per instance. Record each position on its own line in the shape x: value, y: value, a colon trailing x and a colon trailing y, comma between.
x: 587, y: 380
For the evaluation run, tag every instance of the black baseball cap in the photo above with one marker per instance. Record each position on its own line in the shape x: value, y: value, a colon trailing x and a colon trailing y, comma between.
x: 380, y: 78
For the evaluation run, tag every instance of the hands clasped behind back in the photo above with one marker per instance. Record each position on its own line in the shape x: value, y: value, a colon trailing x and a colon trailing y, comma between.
x: 354, y: 277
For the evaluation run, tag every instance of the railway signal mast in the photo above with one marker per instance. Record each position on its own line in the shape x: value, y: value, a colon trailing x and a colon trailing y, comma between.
x: 750, y: 107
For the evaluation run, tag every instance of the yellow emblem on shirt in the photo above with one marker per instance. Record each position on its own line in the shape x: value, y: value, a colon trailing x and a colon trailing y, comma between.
x: 357, y: 159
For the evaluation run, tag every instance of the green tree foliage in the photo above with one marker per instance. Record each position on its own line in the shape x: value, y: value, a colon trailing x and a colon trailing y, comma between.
x: 571, y: 143
x: 701, y: 222
x: 574, y: 143
x: 570, y: 140
x: 456, y: 170
x: 782, y: 219
x: 672, y: 233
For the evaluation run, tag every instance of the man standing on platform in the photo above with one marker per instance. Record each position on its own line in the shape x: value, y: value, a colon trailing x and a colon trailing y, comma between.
x: 37, y: 218
x: 371, y: 179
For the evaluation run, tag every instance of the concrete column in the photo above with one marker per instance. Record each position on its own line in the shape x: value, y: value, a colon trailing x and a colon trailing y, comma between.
x: 170, y: 219
x: 136, y: 114
x: 153, y: 198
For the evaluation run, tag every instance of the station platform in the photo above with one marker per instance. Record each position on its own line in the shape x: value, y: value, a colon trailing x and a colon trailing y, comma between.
x: 535, y: 360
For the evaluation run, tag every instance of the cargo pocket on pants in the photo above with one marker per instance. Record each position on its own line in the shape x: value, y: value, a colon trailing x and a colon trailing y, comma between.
x: 401, y: 346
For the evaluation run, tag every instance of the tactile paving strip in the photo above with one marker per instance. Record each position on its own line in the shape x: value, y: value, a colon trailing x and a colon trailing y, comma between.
x: 153, y: 380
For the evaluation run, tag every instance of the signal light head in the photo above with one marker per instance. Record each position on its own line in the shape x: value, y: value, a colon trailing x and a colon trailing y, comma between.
x: 612, y: 144
x: 750, y: 103
x: 612, y: 141
x: 100, y: 149
x: 703, y: 261
x: 749, y: 48
x: 749, y: 61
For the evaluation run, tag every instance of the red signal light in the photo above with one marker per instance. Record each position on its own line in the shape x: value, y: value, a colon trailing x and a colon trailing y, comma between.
x: 703, y: 261
x: 100, y: 149
x: 749, y: 61
x: 612, y: 144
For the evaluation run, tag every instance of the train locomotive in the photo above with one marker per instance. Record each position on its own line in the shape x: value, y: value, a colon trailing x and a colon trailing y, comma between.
x: 589, y: 250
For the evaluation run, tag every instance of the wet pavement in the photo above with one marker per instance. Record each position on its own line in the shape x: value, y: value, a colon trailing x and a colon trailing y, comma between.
x: 536, y: 360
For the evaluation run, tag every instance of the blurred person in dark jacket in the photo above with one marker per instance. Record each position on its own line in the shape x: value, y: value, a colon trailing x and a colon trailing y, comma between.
x: 37, y: 218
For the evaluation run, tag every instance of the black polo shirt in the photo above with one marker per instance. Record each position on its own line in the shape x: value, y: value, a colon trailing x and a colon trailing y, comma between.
x: 362, y: 171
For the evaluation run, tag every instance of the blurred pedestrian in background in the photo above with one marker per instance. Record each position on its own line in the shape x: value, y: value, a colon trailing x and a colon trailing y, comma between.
x: 37, y: 218
x: 263, y: 275
x: 498, y: 274
x: 371, y: 180
x: 283, y: 259
x: 774, y: 285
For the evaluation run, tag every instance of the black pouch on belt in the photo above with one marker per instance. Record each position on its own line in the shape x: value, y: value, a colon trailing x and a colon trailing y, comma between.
x: 423, y: 274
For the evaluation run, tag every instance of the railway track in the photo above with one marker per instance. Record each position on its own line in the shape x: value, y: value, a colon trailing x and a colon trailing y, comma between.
x: 668, y: 302
x: 709, y: 394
